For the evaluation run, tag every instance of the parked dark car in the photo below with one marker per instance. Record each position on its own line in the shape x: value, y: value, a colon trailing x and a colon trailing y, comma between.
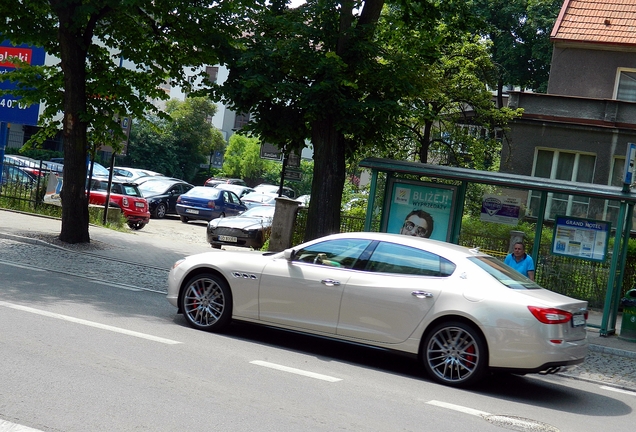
x: 126, y: 197
x: 206, y: 203
x: 16, y: 175
x: 162, y: 194
x: 246, y: 229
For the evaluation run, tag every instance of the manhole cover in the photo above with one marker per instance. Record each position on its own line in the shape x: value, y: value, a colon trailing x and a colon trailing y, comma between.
x: 519, y: 424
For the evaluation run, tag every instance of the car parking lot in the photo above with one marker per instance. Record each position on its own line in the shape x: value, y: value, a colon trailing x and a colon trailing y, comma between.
x: 171, y: 228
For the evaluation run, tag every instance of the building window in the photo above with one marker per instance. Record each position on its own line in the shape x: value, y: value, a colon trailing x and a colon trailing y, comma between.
x: 626, y: 85
x: 612, y: 208
x: 213, y: 73
x: 560, y: 165
x: 241, y: 120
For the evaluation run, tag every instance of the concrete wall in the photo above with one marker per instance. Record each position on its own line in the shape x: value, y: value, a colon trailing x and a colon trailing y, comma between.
x: 599, y: 126
x: 587, y: 73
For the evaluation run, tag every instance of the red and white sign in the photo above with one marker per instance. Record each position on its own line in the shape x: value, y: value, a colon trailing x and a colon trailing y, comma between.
x: 8, y: 53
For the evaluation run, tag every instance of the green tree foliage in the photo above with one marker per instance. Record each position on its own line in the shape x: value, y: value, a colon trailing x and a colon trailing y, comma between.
x: 158, y: 38
x: 317, y: 71
x: 520, y: 34
x: 242, y: 159
x: 178, y: 144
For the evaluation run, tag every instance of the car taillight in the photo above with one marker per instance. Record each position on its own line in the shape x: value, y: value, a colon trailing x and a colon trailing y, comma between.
x: 179, y: 199
x: 125, y: 201
x: 211, y: 205
x: 550, y: 315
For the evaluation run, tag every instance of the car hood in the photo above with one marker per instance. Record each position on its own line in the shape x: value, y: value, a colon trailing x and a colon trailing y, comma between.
x: 239, y: 222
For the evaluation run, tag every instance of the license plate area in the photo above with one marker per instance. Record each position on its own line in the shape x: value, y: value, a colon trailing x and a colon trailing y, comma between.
x: 140, y: 204
x: 228, y: 238
x: 578, y: 320
x: 192, y: 211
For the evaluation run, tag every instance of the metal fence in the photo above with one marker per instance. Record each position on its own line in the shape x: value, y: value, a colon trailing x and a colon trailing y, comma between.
x: 24, y: 182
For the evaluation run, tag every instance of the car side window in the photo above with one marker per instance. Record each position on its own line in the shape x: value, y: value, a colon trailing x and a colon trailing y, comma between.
x: 116, y: 188
x: 395, y: 258
x: 341, y: 253
x: 233, y: 198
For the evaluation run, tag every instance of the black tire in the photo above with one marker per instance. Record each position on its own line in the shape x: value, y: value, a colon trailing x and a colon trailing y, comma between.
x: 454, y: 354
x: 216, y: 246
x: 160, y: 211
x: 136, y: 225
x: 206, y: 302
x: 184, y: 219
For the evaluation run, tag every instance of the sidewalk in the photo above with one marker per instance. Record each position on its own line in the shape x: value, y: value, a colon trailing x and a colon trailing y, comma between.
x: 611, y: 359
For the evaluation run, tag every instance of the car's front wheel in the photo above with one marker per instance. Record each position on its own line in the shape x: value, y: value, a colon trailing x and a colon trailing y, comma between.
x: 206, y: 302
x: 454, y: 353
x: 160, y: 211
x: 184, y: 219
x: 136, y: 225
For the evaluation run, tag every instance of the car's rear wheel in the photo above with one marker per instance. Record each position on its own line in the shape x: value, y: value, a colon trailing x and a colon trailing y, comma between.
x: 160, y: 211
x: 206, y: 302
x: 184, y: 219
x: 136, y: 225
x: 454, y: 354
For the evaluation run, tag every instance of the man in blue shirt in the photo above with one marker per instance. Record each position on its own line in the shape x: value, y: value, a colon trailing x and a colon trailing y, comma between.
x: 521, y: 261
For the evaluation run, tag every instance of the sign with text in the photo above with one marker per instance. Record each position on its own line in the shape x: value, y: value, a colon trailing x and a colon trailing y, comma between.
x: 580, y: 238
x: 419, y: 209
x: 12, y: 110
x: 500, y: 209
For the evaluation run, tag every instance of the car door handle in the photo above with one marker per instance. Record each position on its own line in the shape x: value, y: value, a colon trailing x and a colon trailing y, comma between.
x: 422, y: 294
x: 330, y: 282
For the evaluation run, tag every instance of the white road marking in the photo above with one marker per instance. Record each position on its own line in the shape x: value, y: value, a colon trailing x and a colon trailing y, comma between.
x: 459, y: 408
x: 296, y: 371
x: 20, y: 266
x: 6, y: 426
x: 89, y: 323
x: 631, y: 393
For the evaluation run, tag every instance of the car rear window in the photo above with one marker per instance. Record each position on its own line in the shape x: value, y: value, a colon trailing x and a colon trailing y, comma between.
x: 204, y: 192
x: 503, y: 273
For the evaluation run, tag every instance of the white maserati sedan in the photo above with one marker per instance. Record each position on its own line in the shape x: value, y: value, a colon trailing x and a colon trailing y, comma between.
x: 461, y: 312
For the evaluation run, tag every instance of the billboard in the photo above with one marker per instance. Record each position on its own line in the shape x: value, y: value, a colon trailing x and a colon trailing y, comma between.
x: 12, y: 110
x: 419, y: 209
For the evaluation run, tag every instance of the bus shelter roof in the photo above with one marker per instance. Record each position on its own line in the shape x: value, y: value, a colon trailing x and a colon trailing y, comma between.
x: 499, y: 179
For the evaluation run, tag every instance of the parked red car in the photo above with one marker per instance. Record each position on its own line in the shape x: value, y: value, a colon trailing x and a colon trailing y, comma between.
x: 126, y: 197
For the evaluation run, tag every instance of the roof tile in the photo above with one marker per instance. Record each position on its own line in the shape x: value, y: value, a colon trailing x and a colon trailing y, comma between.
x: 597, y: 21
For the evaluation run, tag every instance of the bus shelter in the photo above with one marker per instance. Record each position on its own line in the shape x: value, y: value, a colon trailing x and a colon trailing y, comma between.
x: 445, y: 188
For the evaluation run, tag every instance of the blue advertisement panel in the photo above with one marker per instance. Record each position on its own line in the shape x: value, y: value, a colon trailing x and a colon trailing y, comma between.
x: 12, y: 110
x: 419, y: 209
x: 580, y: 238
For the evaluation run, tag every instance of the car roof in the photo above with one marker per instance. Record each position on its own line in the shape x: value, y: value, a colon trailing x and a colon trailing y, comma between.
x: 448, y: 250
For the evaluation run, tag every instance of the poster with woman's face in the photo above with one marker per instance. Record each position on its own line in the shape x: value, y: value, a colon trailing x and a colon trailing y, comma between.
x: 420, y: 209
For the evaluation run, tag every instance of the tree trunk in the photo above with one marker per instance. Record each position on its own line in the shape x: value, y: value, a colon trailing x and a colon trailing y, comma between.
x: 425, y: 143
x: 329, y: 177
x: 73, y: 46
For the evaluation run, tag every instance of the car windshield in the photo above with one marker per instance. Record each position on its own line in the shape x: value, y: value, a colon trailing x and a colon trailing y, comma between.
x: 204, y: 192
x: 99, y: 170
x: 503, y: 273
x: 154, y: 187
x: 259, y: 212
x: 259, y: 197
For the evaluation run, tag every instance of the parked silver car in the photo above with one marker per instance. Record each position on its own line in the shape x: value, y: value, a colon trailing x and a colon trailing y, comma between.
x: 461, y: 312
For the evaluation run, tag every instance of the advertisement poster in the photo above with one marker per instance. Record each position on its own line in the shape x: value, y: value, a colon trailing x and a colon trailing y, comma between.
x: 500, y: 209
x: 580, y: 238
x: 419, y: 209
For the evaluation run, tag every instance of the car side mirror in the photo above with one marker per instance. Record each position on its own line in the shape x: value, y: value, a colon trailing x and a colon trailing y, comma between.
x: 290, y: 254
